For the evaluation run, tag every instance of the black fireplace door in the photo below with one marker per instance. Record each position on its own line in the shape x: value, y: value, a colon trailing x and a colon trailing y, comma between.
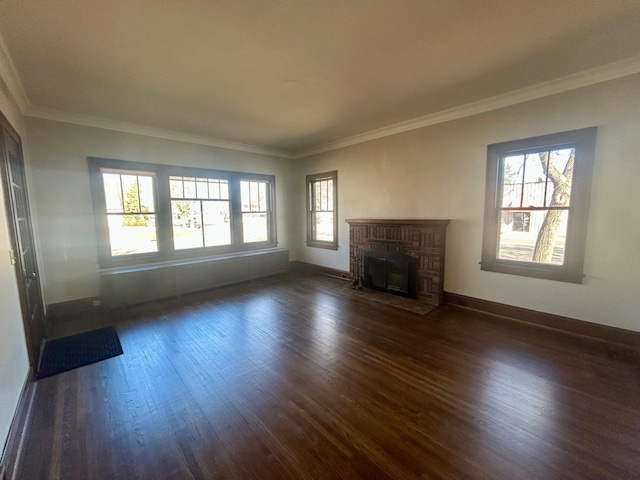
x: 389, y: 271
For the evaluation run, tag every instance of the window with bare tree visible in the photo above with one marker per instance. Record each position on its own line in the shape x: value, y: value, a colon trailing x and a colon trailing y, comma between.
x: 322, y: 218
x: 536, y: 205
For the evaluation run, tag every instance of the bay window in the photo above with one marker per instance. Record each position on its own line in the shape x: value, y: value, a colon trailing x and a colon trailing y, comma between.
x: 148, y: 212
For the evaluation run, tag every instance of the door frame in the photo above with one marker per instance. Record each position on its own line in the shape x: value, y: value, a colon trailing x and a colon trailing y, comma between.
x: 12, y: 227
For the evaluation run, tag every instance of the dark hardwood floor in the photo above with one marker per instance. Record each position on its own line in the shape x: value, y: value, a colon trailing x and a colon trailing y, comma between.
x: 293, y: 377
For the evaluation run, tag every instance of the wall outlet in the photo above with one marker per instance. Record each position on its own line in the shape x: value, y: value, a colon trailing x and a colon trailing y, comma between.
x: 95, y: 303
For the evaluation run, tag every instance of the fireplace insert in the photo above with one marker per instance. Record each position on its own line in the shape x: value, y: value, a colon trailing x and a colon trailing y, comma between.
x: 391, y: 272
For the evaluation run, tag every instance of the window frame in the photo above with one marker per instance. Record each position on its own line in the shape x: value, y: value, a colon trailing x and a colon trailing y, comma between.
x: 584, y: 141
x: 202, y: 202
x: 311, y: 181
x: 164, y: 223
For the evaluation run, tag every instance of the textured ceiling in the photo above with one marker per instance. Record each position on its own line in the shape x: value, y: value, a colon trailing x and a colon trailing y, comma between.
x: 291, y: 75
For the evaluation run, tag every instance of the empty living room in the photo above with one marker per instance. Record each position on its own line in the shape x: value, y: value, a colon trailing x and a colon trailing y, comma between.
x: 319, y: 240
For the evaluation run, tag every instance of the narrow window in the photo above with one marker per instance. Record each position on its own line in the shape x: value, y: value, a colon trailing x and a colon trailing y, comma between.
x: 131, y: 212
x: 322, y: 201
x: 536, y: 205
x: 254, y: 196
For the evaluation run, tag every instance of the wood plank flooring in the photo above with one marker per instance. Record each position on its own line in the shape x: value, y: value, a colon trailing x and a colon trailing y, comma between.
x: 292, y: 377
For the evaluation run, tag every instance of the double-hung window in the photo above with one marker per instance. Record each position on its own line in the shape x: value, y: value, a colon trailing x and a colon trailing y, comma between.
x: 200, y: 212
x: 147, y: 212
x: 255, y: 202
x: 322, y: 218
x: 130, y: 208
x: 536, y: 205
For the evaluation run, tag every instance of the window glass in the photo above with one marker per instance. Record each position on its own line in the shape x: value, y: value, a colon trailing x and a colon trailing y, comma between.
x: 255, y: 226
x: 540, y: 180
x: 131, y: 217
x: 202, y: 222
x: 323, y: 226
x: 189, y: 187
x: 216, y: 217
x: 175, y: 187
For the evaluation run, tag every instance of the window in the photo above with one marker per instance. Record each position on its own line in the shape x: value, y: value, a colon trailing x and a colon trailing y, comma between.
x: 147, y: 212
x: 200, y: 212
x: 536, y: 205
x: 131, y: 212
x: 322, y: 217
x: 255, y: 211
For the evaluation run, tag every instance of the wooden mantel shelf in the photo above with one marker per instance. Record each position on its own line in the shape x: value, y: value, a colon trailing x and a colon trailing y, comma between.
x: 394, y: 221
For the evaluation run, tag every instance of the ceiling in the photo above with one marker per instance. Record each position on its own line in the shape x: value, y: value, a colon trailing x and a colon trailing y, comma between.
x: 292, y: 75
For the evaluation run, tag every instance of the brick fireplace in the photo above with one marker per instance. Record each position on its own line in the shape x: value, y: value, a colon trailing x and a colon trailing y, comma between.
x: 423, y: 240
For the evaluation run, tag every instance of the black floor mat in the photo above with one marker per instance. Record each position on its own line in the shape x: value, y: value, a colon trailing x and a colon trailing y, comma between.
x: 75, y: 351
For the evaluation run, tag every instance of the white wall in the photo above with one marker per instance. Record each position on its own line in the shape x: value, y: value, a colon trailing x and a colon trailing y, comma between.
x: 439, y: 172
x: 14, y: 362
x: 64, y: 206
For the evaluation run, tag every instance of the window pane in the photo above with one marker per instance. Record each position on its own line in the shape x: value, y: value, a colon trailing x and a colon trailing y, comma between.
x: 245, y: 197
x: 175, y: 185
x: 201, y: 188
x: 189, y: 187
x: 131, y: 234
x: 254, y: 226
x: 131, y: 191
x: 147, y: 203
x: 187, y: 228
x: 255, y: 198
x: 218, y: 189
x: 324, y: 205
x: 262, y: 193
x: 214, y: 189
x: 534, y: 180
x: 330, y: 195
x: 318, y: 195
x: 521, y: 221
x: 217, y: 229
x: 512, y: 169
x: 559, y: 192
x: 323, y: 224
x: 519, y: 232
x: 113, y: 192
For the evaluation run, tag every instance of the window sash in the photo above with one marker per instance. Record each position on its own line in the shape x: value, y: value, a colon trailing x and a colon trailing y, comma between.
x: 255, y: 205
x: 322, y: 208
x: 571, y: 268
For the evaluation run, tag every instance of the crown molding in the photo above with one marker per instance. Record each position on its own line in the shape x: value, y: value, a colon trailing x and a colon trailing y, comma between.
x: 137, y: 129
x: 574, y: 81
x: 9, y: 74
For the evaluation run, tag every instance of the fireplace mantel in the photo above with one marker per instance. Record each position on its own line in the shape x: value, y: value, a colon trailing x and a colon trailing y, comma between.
x: 424, y: 240
x: 393, y: 221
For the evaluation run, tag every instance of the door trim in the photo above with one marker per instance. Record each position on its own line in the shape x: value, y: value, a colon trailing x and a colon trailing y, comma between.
x: 12, y: 228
